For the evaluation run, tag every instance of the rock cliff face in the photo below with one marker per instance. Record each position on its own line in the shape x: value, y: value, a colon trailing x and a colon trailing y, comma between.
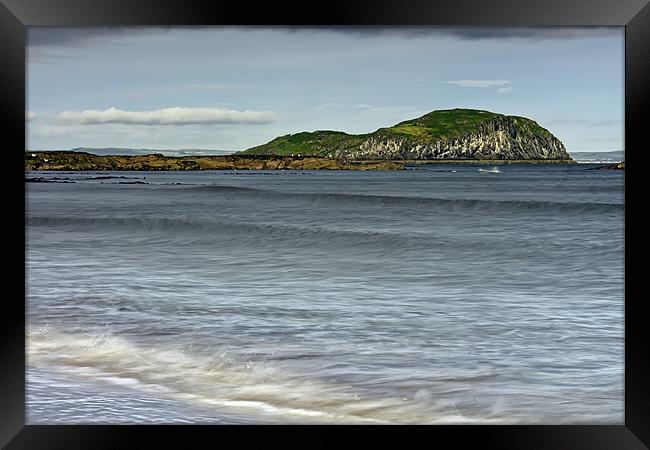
x: 500, y: 138
x: 448, y: 135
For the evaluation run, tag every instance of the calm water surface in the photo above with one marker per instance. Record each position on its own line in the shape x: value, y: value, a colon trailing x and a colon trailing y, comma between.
x: 442, y: 295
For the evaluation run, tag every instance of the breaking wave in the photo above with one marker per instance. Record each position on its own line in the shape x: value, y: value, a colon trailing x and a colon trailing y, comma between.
x: 225, y: 383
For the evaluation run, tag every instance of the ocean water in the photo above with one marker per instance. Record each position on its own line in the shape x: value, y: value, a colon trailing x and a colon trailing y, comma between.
x: 434, y: 296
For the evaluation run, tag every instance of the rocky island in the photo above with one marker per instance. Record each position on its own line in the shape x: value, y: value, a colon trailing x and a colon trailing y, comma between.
x: 445, y: 136
x: 454, y: 134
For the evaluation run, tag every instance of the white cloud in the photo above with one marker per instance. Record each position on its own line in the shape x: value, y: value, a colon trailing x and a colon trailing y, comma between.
x: 29, y: 115
x: 383, y: 109
x: 168, y: 116
x: 59, y: 136
x: 502, y: 86
x: 219, y: 87
x: 479, y: 83
x: 328, y: 105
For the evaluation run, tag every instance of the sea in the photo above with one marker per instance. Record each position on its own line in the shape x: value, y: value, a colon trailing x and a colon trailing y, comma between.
x: 441, y: 294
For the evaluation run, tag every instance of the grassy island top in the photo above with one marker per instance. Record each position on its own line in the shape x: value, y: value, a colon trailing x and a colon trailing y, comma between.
x: 449, y: 123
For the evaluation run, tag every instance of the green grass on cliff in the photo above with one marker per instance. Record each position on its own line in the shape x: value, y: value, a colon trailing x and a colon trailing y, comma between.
x: 436, y: 125
x: 317, y: 143
x: 443, y: 124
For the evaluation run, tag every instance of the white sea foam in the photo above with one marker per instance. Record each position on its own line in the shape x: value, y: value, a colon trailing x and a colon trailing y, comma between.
x: 494, y: 169
x: 252, y: 388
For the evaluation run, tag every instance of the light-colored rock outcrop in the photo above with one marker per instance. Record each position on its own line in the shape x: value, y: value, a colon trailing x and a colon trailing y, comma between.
x: 500, y: 138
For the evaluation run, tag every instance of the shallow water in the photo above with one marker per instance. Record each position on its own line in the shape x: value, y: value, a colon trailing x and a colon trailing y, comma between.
x: 441, y: 295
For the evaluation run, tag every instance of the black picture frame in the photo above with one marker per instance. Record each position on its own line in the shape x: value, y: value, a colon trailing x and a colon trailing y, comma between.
x: 16, y: 15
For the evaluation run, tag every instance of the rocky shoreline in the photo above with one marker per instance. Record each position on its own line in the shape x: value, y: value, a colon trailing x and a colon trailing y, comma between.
x: 615, y: 166
x: 68, y: 160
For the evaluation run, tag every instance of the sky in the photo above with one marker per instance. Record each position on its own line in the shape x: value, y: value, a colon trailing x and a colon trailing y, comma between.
x: 231, y: 88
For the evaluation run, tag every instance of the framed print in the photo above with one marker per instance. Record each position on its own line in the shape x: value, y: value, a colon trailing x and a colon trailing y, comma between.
x: 318, y: 226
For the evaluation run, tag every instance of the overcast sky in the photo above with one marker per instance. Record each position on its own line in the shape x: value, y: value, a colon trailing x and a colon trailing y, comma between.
x: 229, y: 88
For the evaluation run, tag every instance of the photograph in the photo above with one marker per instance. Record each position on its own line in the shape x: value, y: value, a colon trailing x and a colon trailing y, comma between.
x: 358, y: 225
